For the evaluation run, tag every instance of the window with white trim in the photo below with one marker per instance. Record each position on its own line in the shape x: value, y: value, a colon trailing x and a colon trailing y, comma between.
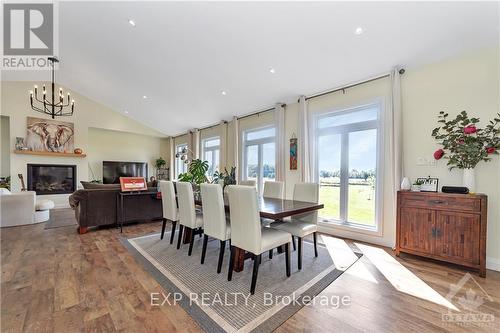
x: 259, y: 155
x: 180, y: 165
x: 347, y: 151
x: 210, y: 148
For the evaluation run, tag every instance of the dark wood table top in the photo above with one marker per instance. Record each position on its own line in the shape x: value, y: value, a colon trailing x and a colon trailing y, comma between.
x: 276, y: 209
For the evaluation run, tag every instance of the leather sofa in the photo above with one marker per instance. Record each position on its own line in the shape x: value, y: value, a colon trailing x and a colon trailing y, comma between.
x: 98, y: 207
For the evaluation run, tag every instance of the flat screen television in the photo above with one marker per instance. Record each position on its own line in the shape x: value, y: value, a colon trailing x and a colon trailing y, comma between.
x: 112, y: 171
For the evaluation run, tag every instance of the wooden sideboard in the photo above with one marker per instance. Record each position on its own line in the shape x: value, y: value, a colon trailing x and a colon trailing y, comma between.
x: 442, y: 226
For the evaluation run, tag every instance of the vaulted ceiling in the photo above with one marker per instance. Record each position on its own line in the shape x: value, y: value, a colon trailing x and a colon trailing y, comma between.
x: 182, y: 56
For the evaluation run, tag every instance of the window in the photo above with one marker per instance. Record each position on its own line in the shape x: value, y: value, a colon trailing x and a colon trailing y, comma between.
x: 210, y: 152
x: 259, y: 159
x: 347, y: 147
x: 180, y: 166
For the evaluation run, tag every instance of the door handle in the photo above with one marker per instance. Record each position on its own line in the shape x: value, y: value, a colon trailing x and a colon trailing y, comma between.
x: 437, y: 202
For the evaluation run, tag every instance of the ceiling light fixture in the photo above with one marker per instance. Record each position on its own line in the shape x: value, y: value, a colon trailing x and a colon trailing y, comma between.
x: 272, y: 70
x: 144, y: 97
x: 131, y: 22
x: 126, y: 112
x: 358, y: 31
x: 54, y: 106
x: 224, y: 93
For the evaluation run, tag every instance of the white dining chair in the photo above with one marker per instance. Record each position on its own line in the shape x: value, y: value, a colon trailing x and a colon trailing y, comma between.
x: 248, y: 234
x: 304, y: 224
x: 249, y: 182
x: 215, y: 223
x: 188, y: 217
x: 169, y: 206
x: 274, y: 190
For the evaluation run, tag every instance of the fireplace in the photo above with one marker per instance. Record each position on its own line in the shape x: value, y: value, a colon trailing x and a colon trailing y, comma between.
x: 51, y: 178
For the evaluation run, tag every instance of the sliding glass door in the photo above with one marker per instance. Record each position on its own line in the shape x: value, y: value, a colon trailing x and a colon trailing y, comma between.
x: 259, y: 159
x: 347, y: 149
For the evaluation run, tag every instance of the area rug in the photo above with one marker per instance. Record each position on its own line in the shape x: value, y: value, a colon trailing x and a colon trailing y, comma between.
x: 219, y: 305
x: 64, y: 217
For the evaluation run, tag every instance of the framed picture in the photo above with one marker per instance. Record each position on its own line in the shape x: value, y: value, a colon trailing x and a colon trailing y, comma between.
x: 50, y: 135
x: 129, y: 184
x: 293, y: 154
x: 428, y: 184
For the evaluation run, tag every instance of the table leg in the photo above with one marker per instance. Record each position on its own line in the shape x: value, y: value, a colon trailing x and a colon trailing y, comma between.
x: 121, y: 213
x: 239, y: 260
x: 186, y: 239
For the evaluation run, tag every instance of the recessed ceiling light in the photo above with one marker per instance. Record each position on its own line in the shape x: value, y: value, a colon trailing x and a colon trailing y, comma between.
x: 126, y: 112
x: 224, y: 93
x: 144, y: 96
x: 358, y: 31
x: 272, y: 70
x: 131, y: 22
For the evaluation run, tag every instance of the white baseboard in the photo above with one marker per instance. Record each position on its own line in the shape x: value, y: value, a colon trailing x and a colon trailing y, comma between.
x: 493, y: 263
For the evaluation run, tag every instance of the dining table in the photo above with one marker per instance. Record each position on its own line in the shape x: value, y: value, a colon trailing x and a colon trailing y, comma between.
x: 270, y: 209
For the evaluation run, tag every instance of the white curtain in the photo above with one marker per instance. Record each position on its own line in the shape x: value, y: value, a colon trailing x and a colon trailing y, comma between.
x: 236, y: 150
x: 279, y: 116
x: 172, y: 158
x: 304, y: 154
x: 223, y: 146
x: 195, y: 143
x: 395, y: 129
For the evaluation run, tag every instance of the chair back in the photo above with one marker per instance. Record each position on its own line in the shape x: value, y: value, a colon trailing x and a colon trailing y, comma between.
x: 308, y: 192
x: 187, y: 211
x: 245, y: 220
x: 250, y: 182
x: 273, y: 190
x: 214, y: 215
x: 168, y: 202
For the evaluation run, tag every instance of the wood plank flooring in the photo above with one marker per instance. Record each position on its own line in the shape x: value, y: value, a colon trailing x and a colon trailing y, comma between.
x: 58, y: 281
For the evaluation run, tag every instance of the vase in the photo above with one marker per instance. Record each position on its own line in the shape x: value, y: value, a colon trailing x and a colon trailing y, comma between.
x: 405, y: 184
x: 469, y: 180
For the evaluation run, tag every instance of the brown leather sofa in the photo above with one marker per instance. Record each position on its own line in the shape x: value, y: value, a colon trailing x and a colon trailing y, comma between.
x: 98, y: 207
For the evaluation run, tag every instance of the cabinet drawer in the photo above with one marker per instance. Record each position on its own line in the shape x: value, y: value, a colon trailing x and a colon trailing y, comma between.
x: 466, y: 204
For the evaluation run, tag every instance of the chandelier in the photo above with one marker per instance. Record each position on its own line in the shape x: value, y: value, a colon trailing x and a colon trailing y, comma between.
x: 54, y: 106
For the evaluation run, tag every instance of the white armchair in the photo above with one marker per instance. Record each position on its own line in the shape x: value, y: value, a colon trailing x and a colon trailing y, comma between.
x: 17, y: 208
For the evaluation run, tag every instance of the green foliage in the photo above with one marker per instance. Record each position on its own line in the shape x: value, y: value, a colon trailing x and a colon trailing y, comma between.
x: 196, y: 173
x: 228, y: 178
x: 465, y: 150
x: 5, y: 183
x: 160, y: 163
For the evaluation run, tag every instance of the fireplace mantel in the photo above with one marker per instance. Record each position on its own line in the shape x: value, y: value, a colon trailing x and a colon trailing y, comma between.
x: 48, y: 153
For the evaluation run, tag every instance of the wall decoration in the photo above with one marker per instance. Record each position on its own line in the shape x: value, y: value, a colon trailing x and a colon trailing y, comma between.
x: 428, y: 184
x: 50, y: 135
x: 20, y: 143
x: 293, y: 154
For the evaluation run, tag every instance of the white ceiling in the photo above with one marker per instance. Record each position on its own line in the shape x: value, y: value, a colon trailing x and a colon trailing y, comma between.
x: 182, y: 55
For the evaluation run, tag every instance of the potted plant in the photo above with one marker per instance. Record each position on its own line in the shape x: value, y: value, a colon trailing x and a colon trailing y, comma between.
x: 225, y: 177
x: 417, y: 185
x: 160, y: 163
x: 464, y: 144
x: 196, y: 174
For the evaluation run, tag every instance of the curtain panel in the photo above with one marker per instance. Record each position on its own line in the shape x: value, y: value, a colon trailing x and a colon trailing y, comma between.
x: 304, y: 154
x: 279, y: 114
x: 236, y: 149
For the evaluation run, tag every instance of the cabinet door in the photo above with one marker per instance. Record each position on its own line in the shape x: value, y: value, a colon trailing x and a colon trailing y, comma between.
x: 458, y: 236
x: 417, y: 229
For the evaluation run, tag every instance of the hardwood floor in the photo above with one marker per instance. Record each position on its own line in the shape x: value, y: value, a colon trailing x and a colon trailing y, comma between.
x: 58, y: 281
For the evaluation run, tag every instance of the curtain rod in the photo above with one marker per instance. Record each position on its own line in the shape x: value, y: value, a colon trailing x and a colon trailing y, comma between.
x: 258, y: 112
x: 401, y: 71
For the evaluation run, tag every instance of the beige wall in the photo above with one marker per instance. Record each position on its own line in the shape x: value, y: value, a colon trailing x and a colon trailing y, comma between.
x: 88, y: 114
x: 106, y: 145
x: 5, y: 146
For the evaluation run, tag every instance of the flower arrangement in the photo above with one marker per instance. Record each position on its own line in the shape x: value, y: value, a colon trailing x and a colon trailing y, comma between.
x: 463, y: 143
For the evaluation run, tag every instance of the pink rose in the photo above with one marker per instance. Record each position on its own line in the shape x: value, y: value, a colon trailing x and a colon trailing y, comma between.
x: 491, y: 150
x: 461, y: 141
x: 470, y: 129
x: 438, y: 154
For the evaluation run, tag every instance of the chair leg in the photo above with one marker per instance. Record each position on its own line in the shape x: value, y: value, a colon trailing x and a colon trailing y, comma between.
x: 256, y: 262
x: 191, y: 243
x: 315, y: 245
x: 287, y: 259
x: 293, y: 242
x: 204, y: 249
x: 181, y: 229
x: 299, y: 253
x: 271, y: 253
x: 221, y: 255
x: 173, y: 232
x: 163, y: 227
x: 231, y: 263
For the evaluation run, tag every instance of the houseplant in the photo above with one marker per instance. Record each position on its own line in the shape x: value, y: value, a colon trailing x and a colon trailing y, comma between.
x: 196, y: 174
x: 227, y: 178
x: 160, y: 163
x: 464, y: 144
